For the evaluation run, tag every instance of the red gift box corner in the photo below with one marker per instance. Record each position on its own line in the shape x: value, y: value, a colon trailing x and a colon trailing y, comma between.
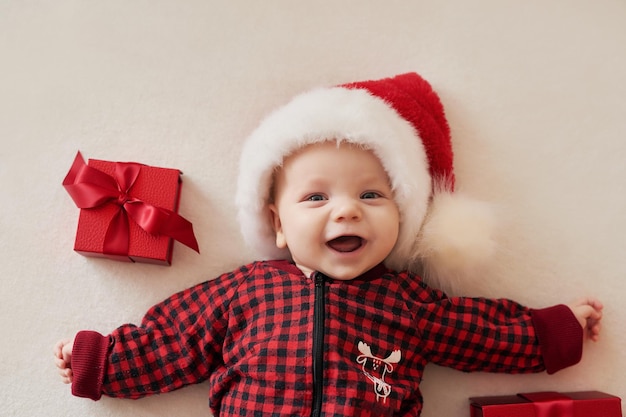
x: 538, y: 404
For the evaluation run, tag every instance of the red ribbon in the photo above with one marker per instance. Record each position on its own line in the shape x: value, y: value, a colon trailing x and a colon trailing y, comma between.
x: 551, y: 404
x: 90, y: 188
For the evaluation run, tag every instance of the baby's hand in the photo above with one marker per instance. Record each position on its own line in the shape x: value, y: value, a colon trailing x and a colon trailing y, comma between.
x: 63, y: 359
x: 588, y: 311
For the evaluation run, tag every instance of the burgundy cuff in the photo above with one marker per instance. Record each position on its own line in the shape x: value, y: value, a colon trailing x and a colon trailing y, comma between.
x: 89, y: 356
x: 560, y: 337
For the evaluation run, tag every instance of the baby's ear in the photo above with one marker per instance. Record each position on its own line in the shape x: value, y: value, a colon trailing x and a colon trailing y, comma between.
x: 281, y: 242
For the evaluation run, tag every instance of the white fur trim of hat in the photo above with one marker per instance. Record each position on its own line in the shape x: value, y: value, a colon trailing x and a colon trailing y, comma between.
x: 443, y: 235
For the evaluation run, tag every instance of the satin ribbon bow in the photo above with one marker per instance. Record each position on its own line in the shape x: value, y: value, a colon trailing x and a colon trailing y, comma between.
x: 90, y: 188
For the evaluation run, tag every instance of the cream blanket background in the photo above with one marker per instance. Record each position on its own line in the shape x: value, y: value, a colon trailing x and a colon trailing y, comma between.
x: 535, y: 96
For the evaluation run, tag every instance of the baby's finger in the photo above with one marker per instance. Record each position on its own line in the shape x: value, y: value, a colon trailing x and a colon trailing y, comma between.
x: 60, y: 363
x: 58, y: 346
x: 596, y: 314
x: 66, y: 375
x: 595, y: 303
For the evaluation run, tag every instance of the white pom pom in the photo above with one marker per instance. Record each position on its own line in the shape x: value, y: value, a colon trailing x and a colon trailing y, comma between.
x: 456, y: 241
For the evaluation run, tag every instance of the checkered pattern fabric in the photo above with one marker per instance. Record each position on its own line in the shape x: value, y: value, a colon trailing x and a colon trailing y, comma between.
x: 250, y: 334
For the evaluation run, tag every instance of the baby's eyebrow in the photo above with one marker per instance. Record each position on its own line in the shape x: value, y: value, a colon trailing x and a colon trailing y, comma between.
x: 314, y: 182
x: 377, y: 179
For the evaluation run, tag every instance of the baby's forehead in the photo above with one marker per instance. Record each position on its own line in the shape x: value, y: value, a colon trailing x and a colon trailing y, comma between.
x: 328, y: 144
x: 330, y: 155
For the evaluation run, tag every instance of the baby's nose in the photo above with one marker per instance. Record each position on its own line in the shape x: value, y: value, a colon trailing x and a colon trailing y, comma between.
x: 347, y: 209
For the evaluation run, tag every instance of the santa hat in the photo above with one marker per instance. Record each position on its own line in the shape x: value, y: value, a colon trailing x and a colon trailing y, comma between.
x: 402, y: 121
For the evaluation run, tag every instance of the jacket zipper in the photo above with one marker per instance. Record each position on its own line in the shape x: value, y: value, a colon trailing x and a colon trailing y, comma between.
x: 318, y: 345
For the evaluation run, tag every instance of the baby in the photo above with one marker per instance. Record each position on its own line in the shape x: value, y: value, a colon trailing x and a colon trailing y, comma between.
x: 341, y: 191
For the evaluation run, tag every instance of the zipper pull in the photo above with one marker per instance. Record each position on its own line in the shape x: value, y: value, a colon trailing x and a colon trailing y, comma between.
x: 319, y: 279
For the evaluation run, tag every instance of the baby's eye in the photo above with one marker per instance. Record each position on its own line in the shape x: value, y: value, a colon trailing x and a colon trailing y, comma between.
x: 315, y: 197
x: 370, y: 194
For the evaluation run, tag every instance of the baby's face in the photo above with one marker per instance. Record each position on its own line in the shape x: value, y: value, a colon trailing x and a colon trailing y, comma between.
x: 334, y: 210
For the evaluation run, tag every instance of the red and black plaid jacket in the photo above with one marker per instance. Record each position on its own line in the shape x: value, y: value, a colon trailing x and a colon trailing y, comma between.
x: 273, y: 342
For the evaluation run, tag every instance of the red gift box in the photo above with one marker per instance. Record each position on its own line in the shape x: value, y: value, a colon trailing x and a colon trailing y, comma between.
x: 548, y: 404
x: 128, y: 211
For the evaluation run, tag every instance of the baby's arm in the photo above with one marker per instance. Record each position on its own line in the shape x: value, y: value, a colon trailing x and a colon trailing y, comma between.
x: 63, y: 359
x: 177, y: 343
x: 588, y: 312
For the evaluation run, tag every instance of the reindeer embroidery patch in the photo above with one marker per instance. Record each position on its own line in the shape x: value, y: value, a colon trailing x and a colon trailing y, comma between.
x: 375, y: 369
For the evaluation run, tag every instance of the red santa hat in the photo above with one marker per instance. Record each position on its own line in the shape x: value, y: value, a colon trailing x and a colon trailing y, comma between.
x: 401, y: 120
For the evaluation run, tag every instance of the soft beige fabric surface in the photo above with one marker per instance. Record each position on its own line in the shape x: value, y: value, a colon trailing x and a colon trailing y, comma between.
x: 535, y: 96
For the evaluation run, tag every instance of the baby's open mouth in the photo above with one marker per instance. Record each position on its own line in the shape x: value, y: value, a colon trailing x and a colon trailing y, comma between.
x: 345, y: 243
